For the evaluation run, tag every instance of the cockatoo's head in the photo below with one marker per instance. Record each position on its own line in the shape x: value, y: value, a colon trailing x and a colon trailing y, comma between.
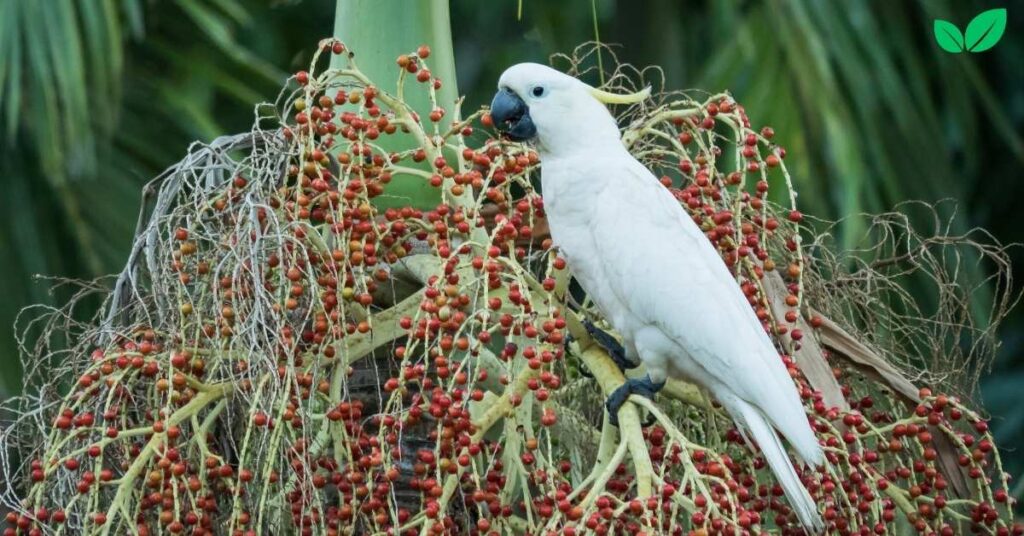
x: 558, y: 111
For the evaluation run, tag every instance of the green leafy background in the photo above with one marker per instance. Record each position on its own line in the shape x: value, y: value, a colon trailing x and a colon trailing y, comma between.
x: 97, y: 96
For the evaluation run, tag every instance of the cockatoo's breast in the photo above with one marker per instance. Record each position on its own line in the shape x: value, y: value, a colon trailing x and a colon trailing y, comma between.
x: 571, y: 189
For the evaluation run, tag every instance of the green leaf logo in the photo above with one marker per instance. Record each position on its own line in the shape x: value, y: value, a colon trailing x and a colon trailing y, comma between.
x: 983, y: 32
x: 986, y: 30
x: 948, y: 36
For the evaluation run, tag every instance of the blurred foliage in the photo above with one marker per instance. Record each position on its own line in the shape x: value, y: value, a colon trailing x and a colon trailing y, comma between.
x: 97, y: 96
x: 142, y: 80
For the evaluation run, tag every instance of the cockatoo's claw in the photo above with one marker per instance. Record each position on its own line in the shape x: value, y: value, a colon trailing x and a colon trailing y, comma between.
x: 615, y: 349
x: 643, y: 387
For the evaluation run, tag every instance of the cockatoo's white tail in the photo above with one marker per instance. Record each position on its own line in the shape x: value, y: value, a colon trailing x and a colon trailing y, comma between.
x: 758, y: 428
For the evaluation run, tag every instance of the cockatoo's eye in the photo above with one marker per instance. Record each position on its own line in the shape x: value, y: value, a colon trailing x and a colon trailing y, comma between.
x: 538, y: 91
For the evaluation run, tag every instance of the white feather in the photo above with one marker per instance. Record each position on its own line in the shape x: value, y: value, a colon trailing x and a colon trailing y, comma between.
x: 754, y: 422
x: 656, y: 277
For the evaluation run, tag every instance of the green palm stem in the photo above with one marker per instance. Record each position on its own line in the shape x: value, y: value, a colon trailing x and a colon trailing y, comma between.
x: 381, y: 30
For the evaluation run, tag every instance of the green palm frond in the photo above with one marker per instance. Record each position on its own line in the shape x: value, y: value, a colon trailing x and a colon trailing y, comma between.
x: 87, y: 119
x: 54, y: 56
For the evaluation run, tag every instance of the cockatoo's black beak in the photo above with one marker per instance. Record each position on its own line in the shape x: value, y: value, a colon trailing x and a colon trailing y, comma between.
x: 512, y: 116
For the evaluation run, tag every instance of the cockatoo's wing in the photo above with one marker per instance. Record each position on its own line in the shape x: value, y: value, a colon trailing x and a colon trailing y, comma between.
x: 660, y: 264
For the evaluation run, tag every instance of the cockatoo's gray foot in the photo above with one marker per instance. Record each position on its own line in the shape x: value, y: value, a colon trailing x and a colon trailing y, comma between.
x: 611, y: 345
x: 643, y: 387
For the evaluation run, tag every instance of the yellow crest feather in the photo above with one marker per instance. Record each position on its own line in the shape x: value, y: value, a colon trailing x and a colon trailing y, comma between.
x: 608, y: 97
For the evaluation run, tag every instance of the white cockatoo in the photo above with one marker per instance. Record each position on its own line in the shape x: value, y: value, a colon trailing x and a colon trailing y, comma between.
x: 651, y: 271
